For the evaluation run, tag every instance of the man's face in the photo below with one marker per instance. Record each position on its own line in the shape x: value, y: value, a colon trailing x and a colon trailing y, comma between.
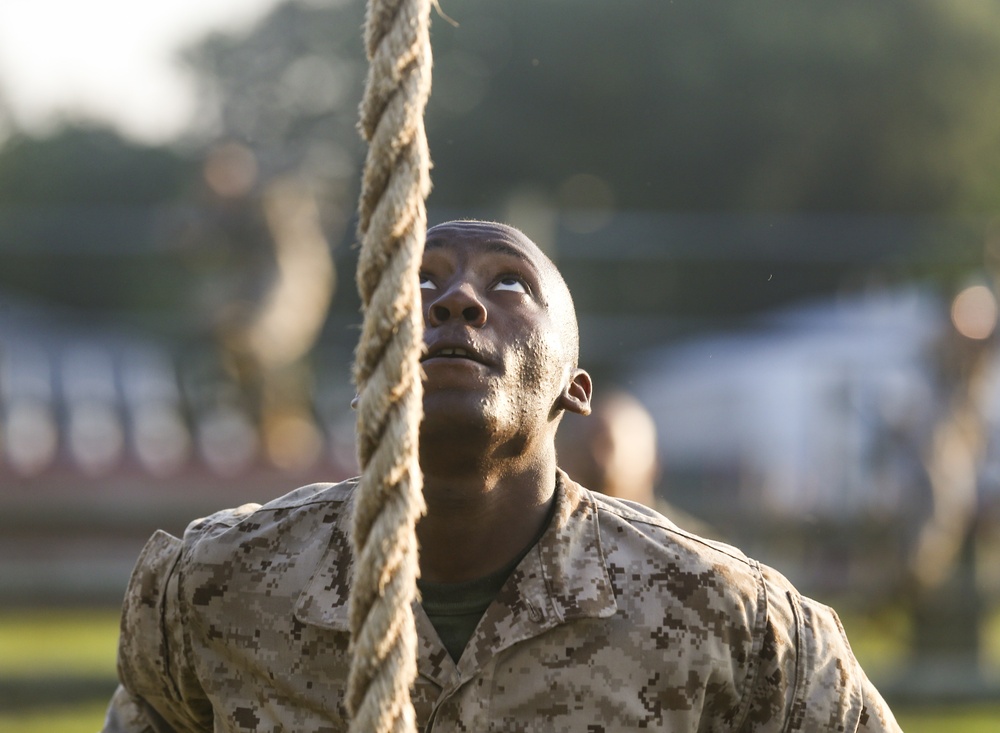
x: 494, y: 317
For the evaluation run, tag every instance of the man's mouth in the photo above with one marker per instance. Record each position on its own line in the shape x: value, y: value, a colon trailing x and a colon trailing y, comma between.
x: 453, y: 352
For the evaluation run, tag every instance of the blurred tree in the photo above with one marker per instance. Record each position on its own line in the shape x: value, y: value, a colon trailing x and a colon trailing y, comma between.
x: 858, y: 108
x: 89, y: 166
x: 861, y: 107
x: 288, y: 90
x: 78, y: 218
x: 689, y: 105
x: 287, y: 93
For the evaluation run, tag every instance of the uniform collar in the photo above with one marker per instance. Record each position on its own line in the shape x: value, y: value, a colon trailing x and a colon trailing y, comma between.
x: 562, y: 578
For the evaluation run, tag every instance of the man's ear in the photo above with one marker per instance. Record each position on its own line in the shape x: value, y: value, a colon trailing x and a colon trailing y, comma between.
x: 576, y: 396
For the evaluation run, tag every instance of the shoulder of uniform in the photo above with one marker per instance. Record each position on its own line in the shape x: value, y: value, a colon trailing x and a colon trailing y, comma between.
x: 174, y: 578
x: 656, y: 527
x: 313, y: 494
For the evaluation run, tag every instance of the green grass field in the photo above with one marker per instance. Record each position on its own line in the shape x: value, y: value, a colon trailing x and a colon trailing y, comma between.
x: 64, y: 645
x: 63, y: 642
x: 86, y: 718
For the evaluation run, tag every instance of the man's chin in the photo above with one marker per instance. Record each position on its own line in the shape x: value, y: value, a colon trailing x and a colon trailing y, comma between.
x: 452, y: 414
x: 465, y: 402
x: 451, y: 422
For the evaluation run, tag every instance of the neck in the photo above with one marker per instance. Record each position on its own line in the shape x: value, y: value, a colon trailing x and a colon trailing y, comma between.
x: 478, y: 520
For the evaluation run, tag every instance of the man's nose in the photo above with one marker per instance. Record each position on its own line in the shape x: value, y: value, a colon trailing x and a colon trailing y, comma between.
x: 457, y: 301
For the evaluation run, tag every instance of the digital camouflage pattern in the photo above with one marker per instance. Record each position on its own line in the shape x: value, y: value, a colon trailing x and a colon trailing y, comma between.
x: 616, y: 620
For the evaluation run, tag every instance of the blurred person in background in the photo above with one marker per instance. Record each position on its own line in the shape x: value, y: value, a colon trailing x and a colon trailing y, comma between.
x: 613, y: 450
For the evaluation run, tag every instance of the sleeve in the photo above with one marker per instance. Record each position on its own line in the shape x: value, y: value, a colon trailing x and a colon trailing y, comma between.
x: 808, y: 678
x: 125, y: 715
x: 159, y: 692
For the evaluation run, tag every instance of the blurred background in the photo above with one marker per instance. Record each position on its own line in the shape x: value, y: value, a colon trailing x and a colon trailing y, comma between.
x: 779, y: 221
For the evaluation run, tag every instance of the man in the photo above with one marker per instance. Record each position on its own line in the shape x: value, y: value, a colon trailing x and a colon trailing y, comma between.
x: 544, y: 607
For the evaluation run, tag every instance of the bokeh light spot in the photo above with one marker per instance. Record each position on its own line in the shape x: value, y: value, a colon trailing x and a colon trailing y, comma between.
x: 974, y: 312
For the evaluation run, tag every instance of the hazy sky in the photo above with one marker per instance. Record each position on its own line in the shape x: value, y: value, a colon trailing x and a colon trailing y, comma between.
x: 107, y: 59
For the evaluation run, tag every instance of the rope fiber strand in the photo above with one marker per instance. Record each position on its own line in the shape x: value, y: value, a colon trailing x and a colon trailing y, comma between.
x: 389, y: 501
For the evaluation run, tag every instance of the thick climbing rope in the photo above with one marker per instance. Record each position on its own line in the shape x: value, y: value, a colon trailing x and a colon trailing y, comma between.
x: 389, y: 500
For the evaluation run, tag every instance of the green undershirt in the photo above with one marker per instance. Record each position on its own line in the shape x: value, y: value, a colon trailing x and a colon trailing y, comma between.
x: 456, y: 608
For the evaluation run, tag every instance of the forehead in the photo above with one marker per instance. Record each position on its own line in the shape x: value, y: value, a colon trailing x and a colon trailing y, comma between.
x: 486, y: 237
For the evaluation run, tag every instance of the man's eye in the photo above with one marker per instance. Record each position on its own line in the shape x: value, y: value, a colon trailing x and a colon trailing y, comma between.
x: 512, y: 284
x: 426, y: 283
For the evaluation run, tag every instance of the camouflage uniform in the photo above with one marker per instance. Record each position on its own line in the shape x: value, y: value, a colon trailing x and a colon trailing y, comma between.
x: 616, y: 620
